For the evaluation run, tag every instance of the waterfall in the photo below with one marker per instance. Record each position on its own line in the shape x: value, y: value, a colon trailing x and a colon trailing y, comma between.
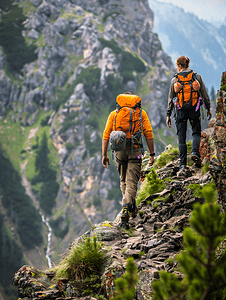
x: 49, y: 241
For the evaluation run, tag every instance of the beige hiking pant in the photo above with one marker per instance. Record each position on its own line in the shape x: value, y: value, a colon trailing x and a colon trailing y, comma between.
x: 129, y: 168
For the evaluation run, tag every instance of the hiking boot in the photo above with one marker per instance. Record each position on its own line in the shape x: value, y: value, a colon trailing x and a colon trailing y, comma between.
x: 134, y: 212
x: 196, y: 159
x: 125, y: 215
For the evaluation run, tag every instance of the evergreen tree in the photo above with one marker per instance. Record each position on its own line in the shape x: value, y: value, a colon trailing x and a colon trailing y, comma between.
x: 205, y: 273
x: 212, y: 95
x: 12, y: 41
x: 126, y: 285
x: 45, y: 175
x: 19, y: 205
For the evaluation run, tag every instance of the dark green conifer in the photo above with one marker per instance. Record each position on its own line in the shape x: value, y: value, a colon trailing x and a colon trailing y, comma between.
x: 204, y: 272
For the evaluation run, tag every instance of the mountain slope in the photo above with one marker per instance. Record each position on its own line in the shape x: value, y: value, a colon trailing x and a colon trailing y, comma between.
x: 87, y: 53
x: 185, y: 34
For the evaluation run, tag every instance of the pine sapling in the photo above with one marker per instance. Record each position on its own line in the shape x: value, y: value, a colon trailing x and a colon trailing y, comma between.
x: 126, y: 285
x: 204, y: 271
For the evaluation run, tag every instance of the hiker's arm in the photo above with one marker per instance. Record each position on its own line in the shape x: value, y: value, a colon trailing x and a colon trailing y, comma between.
x: 168, y: 121
x: 105, y: 158
x: 150, y: 144
x: 171, y: 96
x: 205, y: 96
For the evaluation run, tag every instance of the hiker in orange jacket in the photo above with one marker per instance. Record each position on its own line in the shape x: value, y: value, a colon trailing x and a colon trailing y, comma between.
x: 129, y: 163
x: 191, y: 113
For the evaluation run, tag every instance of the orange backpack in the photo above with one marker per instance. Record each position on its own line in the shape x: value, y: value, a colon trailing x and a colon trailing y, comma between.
x: 186, y: 88
x: 128, y: 118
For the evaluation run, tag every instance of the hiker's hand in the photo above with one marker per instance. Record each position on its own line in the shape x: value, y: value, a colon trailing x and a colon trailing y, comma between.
x: 105, y: 161
x: 168, y: 121
x: 152, y: 159
x: 209, y: 114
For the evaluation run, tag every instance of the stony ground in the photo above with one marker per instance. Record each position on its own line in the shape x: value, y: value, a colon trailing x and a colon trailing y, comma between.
x: 155, y: 235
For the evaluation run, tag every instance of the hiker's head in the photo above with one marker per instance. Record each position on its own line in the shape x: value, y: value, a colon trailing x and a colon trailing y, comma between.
x: 128, y: 93
x: 182, y: 62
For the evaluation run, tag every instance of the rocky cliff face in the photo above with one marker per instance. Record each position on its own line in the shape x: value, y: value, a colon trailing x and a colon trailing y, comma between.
x: 88, y: 52
x: 157, y: 233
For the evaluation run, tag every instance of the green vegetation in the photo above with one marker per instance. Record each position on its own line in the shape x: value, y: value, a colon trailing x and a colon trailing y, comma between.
x: 97, y: 201
x: 19, y: 205
x: 89, y: 76
x: 103, y: 1
x: 55, y: 225
x: 167, y: 156
x: 223, y: 82
x: 11, y: 259
x: 83, y: 264
x: 93, y: 148
x: 70, y: 121
x: 126, y: 285
x: 205, y: 276
x: 198, y: 189
x: 17, y: 52
x: 129, y: 63
x: 151, y: 185
x: 45, y: 177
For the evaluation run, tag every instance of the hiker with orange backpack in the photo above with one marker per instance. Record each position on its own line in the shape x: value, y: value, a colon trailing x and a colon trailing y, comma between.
x: 123, y: 130
x: 190, y: 93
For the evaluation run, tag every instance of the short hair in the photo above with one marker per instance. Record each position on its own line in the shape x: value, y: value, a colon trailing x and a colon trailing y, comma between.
x: 183, y: 61
x: 128, y: 93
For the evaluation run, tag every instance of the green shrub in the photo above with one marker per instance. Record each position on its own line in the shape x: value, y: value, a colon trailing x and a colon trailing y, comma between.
x: 151, y: 185
x: 92, y: 147
x: 126, y: 285
x: 69, y: 121
x: 114, y: 88
x: 92, y: 122
x: 83, y: 263
x: 97, y: 202
x: 198, y: 189
x: 55, y: 225
x: 90, y: 77
x: 204, y: 271
x: 167, y: 156
x: 80, y: 181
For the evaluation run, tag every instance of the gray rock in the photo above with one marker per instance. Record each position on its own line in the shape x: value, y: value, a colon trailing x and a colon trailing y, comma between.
x: 63, y: 79
x: 35, y: 96
x: 5, y: 87
x: 59, y: 3
x: 131, y: 87
x: 62, y: 26
x: 30, y: 108
x: 2, y: 60
x: 54, y: 12
x: 36, y: 22
x: 33, y: 34
x: 36, y: 2
x: 44, y: 9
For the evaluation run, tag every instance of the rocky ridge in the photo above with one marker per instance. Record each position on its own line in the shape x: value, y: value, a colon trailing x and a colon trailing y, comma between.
x: 76, y: 39
x: 157, y: 233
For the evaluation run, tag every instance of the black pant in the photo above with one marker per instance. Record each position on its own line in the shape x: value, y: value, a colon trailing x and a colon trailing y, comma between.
x: 181, y: 123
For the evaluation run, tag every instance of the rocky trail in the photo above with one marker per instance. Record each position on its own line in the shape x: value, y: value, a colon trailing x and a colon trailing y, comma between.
x: 155, y: 235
